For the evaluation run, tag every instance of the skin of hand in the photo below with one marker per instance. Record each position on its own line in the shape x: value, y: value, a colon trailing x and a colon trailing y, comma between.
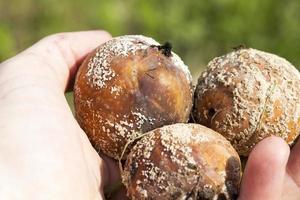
x: 44, y: 154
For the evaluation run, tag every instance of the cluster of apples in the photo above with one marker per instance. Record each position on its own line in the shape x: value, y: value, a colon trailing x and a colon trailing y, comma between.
x: 134, y: 98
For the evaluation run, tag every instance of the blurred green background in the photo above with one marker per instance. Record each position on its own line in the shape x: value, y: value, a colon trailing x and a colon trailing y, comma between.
x: 199, y: 30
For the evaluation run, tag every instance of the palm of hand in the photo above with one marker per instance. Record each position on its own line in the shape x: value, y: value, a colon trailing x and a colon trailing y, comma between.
x: 46, y: 155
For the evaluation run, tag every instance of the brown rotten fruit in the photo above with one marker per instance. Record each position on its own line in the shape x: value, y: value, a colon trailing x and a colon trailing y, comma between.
x: 182, y: 161
x: 128, y: 86
x: 248, y: 95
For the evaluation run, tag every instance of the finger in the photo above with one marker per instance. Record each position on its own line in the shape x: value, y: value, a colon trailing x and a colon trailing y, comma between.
x: 293, y: 167
x: 63, y: 52
x: 290, y: 188
x: 265, y: 170
x: 113, y: 186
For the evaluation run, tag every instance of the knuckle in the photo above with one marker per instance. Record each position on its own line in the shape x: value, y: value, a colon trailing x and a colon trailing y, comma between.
x: 55, y: 38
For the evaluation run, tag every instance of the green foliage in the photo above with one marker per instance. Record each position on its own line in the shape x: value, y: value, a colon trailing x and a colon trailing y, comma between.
x: 198, y: 30
x: 6, y: 42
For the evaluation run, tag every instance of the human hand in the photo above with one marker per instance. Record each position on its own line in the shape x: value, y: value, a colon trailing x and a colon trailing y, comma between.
x: 44, y: 154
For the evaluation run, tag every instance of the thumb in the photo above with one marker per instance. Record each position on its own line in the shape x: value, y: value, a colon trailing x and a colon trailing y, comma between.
x: 265, y: 170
